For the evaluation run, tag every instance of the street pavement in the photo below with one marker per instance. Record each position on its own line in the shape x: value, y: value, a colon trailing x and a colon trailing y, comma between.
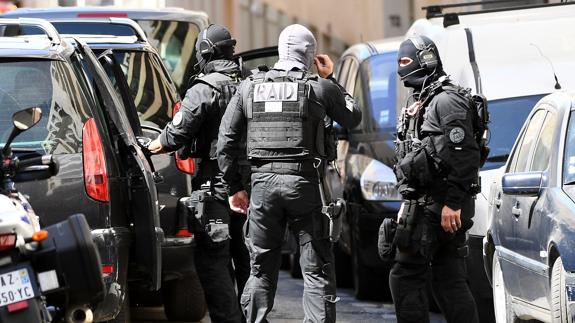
x: 288, y: 307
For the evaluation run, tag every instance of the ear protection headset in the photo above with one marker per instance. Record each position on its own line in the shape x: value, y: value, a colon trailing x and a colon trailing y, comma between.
x: 425, y: 54
x: 208, y: 49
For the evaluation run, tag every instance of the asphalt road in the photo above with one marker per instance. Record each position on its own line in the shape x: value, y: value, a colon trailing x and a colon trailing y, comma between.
x: 288, y: 307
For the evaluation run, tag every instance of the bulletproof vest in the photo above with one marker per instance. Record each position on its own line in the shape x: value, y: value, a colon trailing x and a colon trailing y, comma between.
x: 224, y: 87
x: 282, y: 124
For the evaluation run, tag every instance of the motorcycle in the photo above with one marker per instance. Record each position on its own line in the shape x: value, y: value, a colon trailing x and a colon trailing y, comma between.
x: 46, y: 275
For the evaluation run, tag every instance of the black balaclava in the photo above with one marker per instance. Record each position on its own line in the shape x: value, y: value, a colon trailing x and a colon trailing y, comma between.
x: 223, y: 44
x: 413, y: 75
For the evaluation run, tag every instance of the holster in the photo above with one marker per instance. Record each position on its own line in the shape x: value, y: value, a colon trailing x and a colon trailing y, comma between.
x: 334, y: 211
x: 209, y: 218
x: 385, y: 245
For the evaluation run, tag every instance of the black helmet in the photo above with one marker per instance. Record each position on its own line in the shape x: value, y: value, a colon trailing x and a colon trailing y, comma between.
x: 425, y: 64
x: 214, y: 42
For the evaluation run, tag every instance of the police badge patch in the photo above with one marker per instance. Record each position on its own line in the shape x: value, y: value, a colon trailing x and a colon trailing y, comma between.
x: 456, y: 135
x: 177, y: 119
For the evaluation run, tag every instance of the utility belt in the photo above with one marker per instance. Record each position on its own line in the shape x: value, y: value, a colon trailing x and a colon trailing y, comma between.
x: 303, y: 168
x: 208, y: 217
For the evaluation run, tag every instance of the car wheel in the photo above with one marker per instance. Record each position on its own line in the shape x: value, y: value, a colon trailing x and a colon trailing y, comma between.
x: 343, y: 274
x: 558, y: 294
x: 295, y: 268
x: 369, y: 283
x: 501, y: 299
x: 184, y: 299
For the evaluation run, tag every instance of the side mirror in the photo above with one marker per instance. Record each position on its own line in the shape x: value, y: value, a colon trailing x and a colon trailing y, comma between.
x: 27, y: 118
x: 22, y: 121
x: 526, y: 184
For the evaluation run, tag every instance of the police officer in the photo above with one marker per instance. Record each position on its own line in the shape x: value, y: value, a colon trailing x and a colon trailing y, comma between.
x: 193, y: 130
x: 437, y: 169
x: 284, y: 112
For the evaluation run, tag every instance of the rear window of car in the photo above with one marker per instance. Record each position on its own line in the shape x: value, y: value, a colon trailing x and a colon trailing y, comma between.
x: 74, y: 28
x: 175, y: 42
x: 506, y: 119
x: 380, y: 74
x: 153, y: 93
x: 52, y: 86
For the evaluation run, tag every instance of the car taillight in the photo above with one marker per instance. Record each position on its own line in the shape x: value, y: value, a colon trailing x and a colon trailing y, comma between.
x: 185, y: 165
x: 7, y: 241
x: 95, y: 173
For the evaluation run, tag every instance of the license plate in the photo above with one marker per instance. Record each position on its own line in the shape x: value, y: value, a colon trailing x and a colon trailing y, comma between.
x: 15, y: 286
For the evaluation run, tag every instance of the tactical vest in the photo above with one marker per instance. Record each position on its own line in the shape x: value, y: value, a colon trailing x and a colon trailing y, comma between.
x: 224, y: 87
x: 281, y: 123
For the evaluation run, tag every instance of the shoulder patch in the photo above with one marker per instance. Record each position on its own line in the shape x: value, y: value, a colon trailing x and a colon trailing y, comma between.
x: 456, y: 135
x: 177, y: 120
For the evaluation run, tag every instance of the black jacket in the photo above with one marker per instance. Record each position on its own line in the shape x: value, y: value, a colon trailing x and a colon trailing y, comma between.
x: 338, y: 104
x: 449, y: 119
x: 196, y: 112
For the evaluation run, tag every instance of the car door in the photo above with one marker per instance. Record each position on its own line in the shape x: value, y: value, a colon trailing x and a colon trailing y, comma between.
x: 505, y: 218
x: 528, y: 213
x: 148, y: 235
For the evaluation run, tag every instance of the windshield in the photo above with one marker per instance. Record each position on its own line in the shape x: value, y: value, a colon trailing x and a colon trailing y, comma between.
x: 569, y: 158
x: 153, y: 92
x: 175, y: 42
x: 381, y: 75
x: 506, y: 119
x: 52, y: 86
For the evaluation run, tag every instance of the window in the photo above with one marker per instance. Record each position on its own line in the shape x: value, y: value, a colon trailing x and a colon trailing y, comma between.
x: 507, y: 116
x: 175, y: 42
x: 358, y: 96
x: 519, y: 162
x: 569, y: 158
x: 153, y: 94
x: 352, y: 77
x: 52, y: 86
x: 381, y: 79
x: 543, y: 148
x: 342, y: 70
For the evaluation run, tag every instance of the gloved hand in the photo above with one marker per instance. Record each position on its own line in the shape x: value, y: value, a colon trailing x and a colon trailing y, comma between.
x: 155, y: 147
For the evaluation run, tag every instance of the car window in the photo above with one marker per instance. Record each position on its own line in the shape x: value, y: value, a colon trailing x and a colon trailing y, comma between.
x: 341, y: 74
x: 96, y: 28
x: 381, y: 90
x: 358, y: 96
x: 52, y: 86
x: 519, y: 162
x: 175, y: 42
x: 569, y: 158
x: 543, y: 147
x: 507, y: 116
x: 352, y: 77
x: 153, y: 94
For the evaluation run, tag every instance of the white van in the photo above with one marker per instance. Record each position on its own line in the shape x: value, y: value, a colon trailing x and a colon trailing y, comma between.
x: 512, y: 57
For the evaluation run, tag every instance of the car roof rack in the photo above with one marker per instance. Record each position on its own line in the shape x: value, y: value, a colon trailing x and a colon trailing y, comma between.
x: 452, y: 18
x: 138, y: 31
x: 46, y: 26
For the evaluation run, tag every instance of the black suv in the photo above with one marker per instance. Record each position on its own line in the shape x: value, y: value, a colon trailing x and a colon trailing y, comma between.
x: 103, y: 171
x: 150, y: 98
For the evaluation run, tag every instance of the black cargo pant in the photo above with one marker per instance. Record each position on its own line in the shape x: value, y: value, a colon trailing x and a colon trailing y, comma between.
x: 441, y: 258
x: 277, y: 200
x: 212, y: 264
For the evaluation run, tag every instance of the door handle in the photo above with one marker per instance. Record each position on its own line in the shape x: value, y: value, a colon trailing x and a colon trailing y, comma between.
x: 497, y: 200
x: 515, y: 210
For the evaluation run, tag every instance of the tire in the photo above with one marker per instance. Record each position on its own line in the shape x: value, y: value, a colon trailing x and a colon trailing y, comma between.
x: 369, y: 283
x: 343, y: 273
x: 559, y: 311
x: 501, y: 299
x: 295, y: 268
x: 184, y: 299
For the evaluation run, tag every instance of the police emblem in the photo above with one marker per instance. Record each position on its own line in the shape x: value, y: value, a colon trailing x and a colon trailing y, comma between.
x: 177, y: 119
x: 456, y: 135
